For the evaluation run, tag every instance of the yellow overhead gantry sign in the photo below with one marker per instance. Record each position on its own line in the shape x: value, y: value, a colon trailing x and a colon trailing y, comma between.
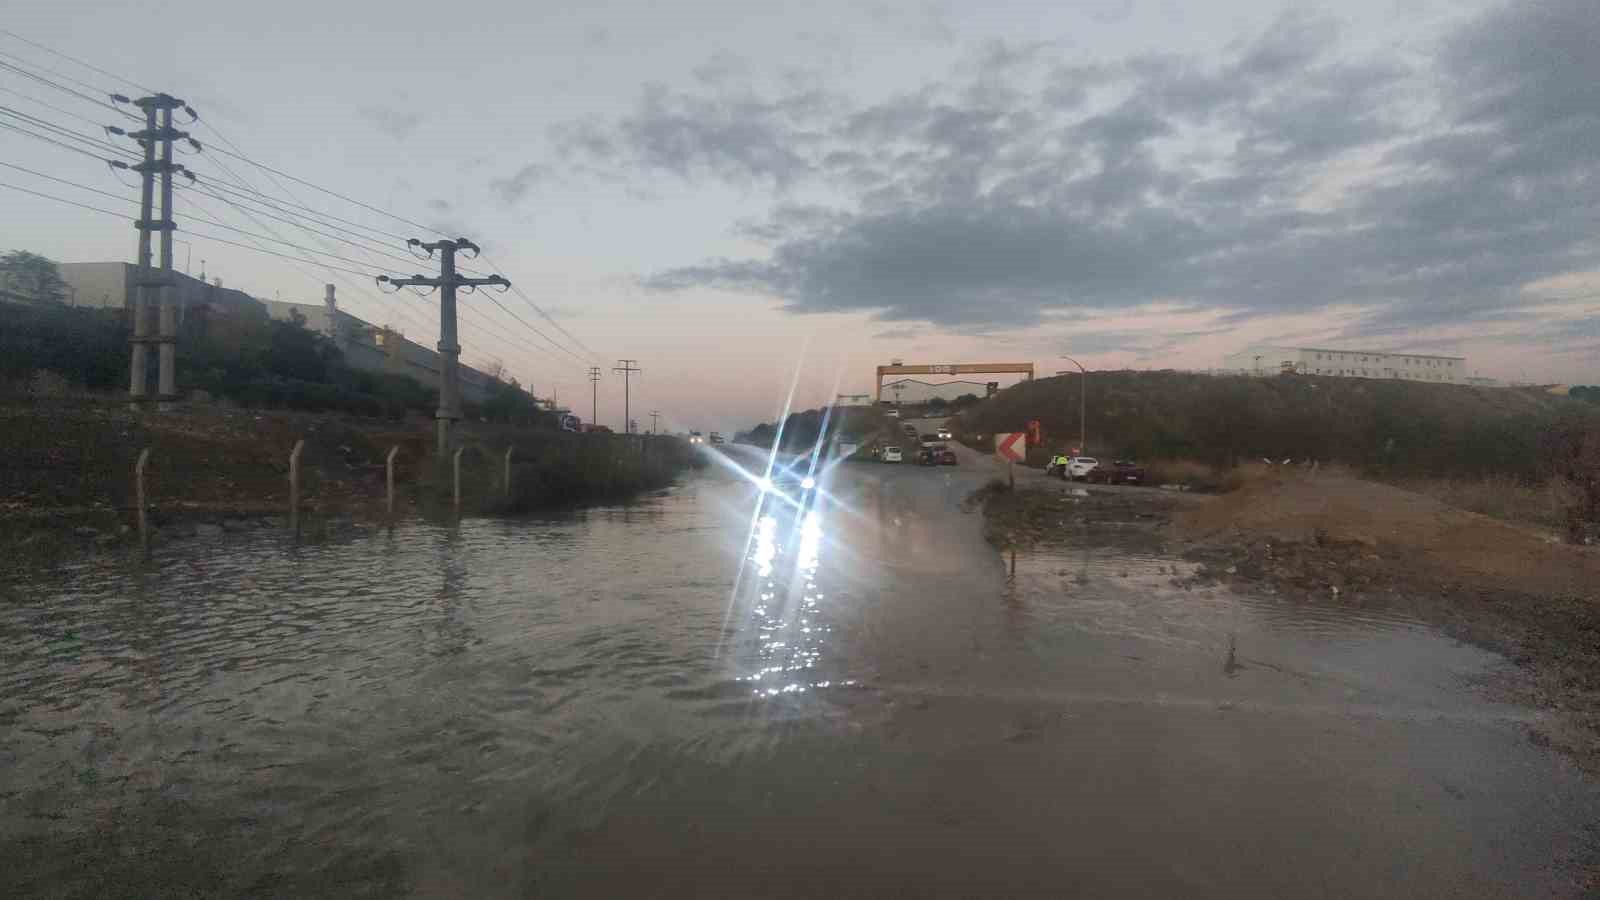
x: 1025, y: 369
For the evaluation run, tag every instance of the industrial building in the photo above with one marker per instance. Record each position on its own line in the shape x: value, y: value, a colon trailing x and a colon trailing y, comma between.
x: 1267, y: 360
x: 368, y: 347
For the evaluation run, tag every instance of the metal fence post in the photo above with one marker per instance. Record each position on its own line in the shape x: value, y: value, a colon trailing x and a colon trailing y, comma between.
x: 294, y: 486
x: 139, y: 498
x: 389, y: 476
x: 458, y: 480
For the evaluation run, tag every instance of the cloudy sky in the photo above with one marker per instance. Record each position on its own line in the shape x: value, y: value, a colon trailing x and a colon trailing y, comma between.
x: 731, y: 195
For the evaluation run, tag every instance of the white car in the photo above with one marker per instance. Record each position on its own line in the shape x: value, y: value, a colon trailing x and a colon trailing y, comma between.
x: 892, y: 454
x: 1080, y: 467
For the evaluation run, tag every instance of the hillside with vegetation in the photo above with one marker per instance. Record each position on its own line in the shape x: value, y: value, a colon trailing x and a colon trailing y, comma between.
x: 1403, y: 428
x: 802, y: 430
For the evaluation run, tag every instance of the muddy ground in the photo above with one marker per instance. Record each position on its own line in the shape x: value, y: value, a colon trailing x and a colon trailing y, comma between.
x: 1334, y: 538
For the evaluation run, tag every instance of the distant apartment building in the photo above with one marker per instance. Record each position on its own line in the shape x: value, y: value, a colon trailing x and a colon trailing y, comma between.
x: 1264, y: 360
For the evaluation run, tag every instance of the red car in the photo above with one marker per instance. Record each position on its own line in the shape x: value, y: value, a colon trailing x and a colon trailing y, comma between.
x: 947, y: 457
x: 1122, y: 471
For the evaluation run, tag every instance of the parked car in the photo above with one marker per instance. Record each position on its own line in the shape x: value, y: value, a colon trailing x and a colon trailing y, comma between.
x: 892, y: 455
x: 928, y: 456
x: 947, y: 457
x: 1079, y: 467
x: 1122, y: 471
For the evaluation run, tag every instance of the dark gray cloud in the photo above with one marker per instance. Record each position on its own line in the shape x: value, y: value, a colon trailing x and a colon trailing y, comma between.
x: 736, y: 135
x: 514, y: 187
x: 395, y: 123
x: 1289, y: 175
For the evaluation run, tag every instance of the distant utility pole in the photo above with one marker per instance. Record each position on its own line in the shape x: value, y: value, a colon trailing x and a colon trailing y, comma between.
x: 627, y: 368
x: 149, y: 285
x: 655, y: 417
x: 1083, y: 405
x: 594, y: 398
x: 449, y: 411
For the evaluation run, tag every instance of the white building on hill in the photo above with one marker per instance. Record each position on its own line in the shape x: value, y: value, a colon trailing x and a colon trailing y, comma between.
x: 1263, y: 360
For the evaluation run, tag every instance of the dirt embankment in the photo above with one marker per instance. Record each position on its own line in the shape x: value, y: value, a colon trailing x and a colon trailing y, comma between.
x: 1337, y: 538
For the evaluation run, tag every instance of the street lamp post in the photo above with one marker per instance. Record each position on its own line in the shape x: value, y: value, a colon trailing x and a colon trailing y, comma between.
x: 1083, y: 405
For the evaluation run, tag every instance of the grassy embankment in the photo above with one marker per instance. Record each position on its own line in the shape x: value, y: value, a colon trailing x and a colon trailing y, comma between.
x: 1483, y: 449
x: 66, y: 483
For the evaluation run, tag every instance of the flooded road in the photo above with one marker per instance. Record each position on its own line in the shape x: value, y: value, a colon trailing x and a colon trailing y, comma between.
x: 704, y: 695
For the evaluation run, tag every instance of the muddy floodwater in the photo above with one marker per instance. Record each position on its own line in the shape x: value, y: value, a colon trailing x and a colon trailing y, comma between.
x: 702, y: 694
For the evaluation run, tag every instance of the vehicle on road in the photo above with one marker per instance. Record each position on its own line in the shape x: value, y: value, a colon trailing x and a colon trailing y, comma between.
x: 892, y: 413
x: 892, y: 455
x: 929, y: 439
x: 947, y: 457
x: 1079, y: 467
x: 696, y: 437
x: 927, y: 456
x: 1121, y: 471
x: 944, y: 434
x: 716, y: 438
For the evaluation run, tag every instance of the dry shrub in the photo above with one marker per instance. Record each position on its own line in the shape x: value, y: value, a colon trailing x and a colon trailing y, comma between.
x: 1179, y: 471
x: 1501, y: 497
x: 1198, y: 476
x: 45, y: 383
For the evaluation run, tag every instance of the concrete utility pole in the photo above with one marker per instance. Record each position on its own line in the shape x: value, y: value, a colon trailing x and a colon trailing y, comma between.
x: 594, y: 398
x: 167, y: 380
x: 655, y: 418
x: 147, y: 283
x: 449, y: 411
x: 1083, y: 405
x: 627, y: 368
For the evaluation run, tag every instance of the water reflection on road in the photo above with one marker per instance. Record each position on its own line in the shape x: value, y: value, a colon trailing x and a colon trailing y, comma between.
x: 697, y: 695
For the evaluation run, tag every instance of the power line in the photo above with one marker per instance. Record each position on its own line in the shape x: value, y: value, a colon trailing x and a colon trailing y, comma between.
x: 66, y: 132
x: 253, y: 193
x: 211, y: 188
x: 63, y: 200
x: 64, y: 89
x: 62, y: 75
x: 266, y: 168
x: 83, y: 187
x: 48, y: 105
x: 89, y: 66
x: 50, y: 140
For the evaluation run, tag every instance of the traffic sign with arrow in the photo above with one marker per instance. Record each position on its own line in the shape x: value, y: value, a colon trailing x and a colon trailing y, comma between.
x: 1011, y: 446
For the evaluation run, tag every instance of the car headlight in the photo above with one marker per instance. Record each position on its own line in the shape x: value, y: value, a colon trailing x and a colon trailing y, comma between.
x: 807, y: 483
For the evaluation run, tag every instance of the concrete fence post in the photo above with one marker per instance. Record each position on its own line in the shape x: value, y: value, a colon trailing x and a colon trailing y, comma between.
x: 139, y: 498
x: 457, y: 457
x: 506, y: 484
x: 389, y: 476
x: 294, y: 486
